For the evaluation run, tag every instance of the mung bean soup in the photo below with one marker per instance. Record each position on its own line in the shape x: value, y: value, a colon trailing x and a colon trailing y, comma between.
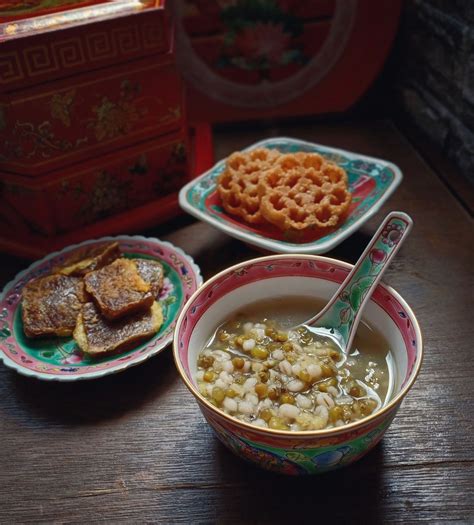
x: 258, y: 369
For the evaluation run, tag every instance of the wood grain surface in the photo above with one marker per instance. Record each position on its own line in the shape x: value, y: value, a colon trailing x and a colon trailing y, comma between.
x: 134, y: 447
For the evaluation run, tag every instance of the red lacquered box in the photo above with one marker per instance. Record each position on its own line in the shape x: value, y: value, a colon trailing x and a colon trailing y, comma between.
x: 92, y: 121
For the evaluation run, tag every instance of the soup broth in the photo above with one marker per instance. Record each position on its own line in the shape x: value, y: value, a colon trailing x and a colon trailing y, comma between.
x: 257, y: 368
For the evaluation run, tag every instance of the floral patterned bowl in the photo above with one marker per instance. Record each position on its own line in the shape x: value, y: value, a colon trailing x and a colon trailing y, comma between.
x: 304, y: 452
x: 371, y: 182
x: 58, y: 358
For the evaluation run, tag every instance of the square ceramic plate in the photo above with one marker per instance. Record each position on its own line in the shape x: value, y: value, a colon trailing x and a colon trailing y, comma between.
x: 371, y: 182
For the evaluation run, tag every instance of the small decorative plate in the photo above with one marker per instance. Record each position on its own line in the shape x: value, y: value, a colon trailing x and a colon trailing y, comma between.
x: 371, y: 182
x: 59, y: 358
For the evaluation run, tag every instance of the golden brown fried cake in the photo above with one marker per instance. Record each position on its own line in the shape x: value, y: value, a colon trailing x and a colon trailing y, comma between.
x: 50, y: 305
x: 95, y: 335
x: 152, y: 273
x: 118, y: 289
x: 89, y: 258
x: 237, y: 186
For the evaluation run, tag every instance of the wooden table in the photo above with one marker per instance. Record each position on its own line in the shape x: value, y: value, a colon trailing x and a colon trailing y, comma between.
x: 134, y: 447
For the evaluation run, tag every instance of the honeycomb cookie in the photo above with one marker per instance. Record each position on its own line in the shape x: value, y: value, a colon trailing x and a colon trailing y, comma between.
x: 237, y: 186
x: 304, y: 191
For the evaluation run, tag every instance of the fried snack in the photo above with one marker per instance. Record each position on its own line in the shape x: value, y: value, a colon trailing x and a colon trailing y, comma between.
x: 118, y: 289
x: 237, y: 185
x: 152, y: 273
x: 50, y: 305
x: 95, y: 335
x: 304, y: 191
x: 89, y: 258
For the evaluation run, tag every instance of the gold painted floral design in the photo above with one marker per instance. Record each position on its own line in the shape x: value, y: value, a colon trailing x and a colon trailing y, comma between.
x: 37, y: 140
x: 107, y: 196
x: 170, y: 176
x: 174, y: 113
x: 61, y: 106
x: 114, y: 118
x: 178, y: 154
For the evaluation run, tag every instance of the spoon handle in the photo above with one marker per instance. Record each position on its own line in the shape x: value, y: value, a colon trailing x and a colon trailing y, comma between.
x: 345, y: 308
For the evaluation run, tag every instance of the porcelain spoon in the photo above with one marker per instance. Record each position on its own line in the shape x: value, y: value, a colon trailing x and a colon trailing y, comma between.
x: 339, y: 319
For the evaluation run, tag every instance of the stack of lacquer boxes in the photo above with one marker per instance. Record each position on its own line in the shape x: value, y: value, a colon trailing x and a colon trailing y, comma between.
x: 93, y: 136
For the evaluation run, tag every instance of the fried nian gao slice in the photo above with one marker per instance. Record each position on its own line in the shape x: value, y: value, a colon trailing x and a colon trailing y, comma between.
x: 152, y: 273
x: 96, y: 335
x: 51, y: 304
x: 89, y: 258
x: 118, y: 289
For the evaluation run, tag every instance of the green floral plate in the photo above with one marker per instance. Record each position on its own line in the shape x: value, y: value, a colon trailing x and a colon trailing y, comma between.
x: 371, y: 182
x: 59, y: 358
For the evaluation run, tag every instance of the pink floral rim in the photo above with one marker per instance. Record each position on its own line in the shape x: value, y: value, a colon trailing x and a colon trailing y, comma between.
x: 308, y: 266
x: 14, y: 356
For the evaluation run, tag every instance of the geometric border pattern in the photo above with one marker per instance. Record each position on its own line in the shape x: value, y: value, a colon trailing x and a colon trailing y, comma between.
x: 61, y: 55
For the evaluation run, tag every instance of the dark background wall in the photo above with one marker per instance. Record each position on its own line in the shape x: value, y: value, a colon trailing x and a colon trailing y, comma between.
x: 431, y: 72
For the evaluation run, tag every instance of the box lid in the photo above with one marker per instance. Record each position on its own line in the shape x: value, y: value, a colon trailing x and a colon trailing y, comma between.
x: 41, y: 40
x: 28, y: 17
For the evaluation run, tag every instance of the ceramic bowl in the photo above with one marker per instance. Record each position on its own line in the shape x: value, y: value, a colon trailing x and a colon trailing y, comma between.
x: 305, y: 452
